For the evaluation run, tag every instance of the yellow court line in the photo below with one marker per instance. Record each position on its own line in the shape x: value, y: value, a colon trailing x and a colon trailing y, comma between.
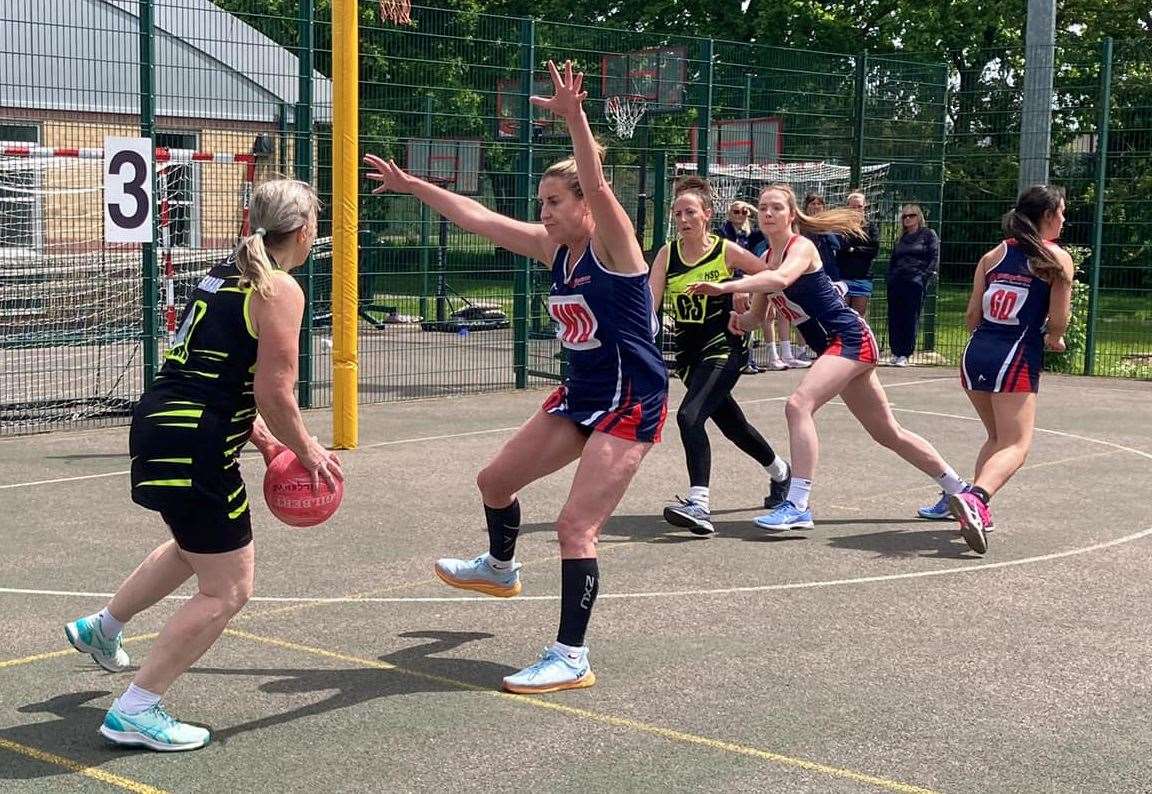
x: 81, y: 769
x: 604, y: 719
x: 55, y: 654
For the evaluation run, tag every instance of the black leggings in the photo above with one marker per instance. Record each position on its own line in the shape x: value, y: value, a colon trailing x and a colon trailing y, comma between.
x: 709, y: 396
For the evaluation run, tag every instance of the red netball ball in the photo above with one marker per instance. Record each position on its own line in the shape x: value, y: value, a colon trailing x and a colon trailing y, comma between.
x: 288, y: 492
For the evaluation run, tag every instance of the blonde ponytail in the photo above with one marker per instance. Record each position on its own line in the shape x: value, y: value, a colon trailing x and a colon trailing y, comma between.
x: 255, y: 266
x: 280, y: 207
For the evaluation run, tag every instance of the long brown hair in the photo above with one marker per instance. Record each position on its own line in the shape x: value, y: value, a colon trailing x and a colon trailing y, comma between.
x: 1022, y: 222
x: 838, y: 220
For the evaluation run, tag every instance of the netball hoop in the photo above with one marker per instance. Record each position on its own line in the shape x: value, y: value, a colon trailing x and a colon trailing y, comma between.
x: 624, y: 113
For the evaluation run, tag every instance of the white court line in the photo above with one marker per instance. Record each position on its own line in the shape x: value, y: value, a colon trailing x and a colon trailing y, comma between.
x: 653, y: 594
x: 444, y: 437
x: 682, y: 593
x: 366, y: 446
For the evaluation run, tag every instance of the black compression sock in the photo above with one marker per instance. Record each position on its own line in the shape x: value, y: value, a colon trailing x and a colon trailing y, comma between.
x: 503, y: 529
x: 579, y: 583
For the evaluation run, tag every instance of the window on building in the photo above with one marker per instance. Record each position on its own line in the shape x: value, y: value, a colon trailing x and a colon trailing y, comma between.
x: 182, y: 190
x: 19, y: 205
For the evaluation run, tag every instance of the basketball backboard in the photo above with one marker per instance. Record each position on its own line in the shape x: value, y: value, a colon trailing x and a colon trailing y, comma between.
x: 452, y: 163
x: 754, y: 141
x: 509, y: 109
x: 656, y: 74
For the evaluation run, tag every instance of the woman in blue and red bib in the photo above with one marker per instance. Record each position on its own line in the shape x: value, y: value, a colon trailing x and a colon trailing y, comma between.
x: 611, y: 407
x: 1020, y: 303
x: 846, y: 346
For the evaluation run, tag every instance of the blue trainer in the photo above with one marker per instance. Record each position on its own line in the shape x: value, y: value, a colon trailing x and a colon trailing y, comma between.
x: 154, y: 729
x: 552, y: 672
x: 85, y: 636
x: 786, y: 516
x: 693, y: 516
x: 479, y: 575
x: 938, y: 511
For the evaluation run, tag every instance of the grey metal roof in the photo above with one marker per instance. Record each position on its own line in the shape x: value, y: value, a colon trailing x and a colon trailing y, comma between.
x: 81, y: 55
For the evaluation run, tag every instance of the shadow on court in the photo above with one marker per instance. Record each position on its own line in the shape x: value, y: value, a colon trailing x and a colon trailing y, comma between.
x: 74, y: 732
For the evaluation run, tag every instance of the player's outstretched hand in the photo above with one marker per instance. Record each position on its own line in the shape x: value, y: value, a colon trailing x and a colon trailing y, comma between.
x: 392, y: 178
x: 706, y: 288
x: 568, y: 97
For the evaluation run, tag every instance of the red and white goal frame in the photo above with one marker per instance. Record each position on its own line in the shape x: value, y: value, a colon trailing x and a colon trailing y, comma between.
x: 166, y: 159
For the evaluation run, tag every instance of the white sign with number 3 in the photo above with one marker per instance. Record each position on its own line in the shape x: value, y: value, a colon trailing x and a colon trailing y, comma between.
x: 128, y: 190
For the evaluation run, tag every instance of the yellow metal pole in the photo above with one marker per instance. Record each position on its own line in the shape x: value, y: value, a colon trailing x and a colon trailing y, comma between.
x: 345, y: 170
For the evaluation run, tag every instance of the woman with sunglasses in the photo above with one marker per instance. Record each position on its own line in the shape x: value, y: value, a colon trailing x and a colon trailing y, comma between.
x: 913, y: 263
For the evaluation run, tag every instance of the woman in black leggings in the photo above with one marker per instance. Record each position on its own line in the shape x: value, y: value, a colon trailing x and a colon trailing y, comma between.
x: 708, y: 354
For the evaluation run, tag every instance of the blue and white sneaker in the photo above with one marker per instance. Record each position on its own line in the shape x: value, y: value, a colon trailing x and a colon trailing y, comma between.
x: 693, y: 516
x: 154, y: 729
x: 938, y: 511
x: 479, y: 575
x: 786, y: 516
x: 553, y: 672
x: 84, y: 635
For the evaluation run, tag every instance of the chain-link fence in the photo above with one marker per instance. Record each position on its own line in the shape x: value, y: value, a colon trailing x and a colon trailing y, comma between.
x: 239, y: 91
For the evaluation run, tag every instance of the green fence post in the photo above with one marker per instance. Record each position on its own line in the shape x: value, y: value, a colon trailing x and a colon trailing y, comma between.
x: 425, y: 220
x: 858, y: 119
x: 149, y: 293
x: 660, y: 201
x: 1105, y: 101
x: 303, y: 167
x: 932, y: 303
x: 521, y: 277
x: 704, y: 137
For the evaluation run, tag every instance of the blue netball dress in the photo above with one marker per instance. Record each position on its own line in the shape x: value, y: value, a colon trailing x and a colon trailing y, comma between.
x: 617, y: 382
x: 1006, y: 351
x: 817, y: 309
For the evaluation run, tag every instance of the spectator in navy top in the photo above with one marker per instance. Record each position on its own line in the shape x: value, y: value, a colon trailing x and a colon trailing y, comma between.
x: 914, y: 261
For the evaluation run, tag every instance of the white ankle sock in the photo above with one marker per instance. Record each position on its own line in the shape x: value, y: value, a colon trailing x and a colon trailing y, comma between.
x: 568, y: 651
x: 950, y: 482
x: 699, y: 495
x: 500, y: 565
x: 798, y: 492
x: 773, y: 353
x: 135, y: 700
x: 777, y: 469
x: 109, y: 626
x: 786, y: 350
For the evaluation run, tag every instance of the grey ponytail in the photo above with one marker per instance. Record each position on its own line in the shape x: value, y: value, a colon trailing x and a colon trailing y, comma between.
x: 279, y: 208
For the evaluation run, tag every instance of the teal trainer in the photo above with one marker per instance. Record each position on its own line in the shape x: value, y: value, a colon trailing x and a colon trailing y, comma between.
x: 479, y: 575
x: 786, y: 516
x: 552, y: 672
x: 85, y: 636
x: 154, y: 729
